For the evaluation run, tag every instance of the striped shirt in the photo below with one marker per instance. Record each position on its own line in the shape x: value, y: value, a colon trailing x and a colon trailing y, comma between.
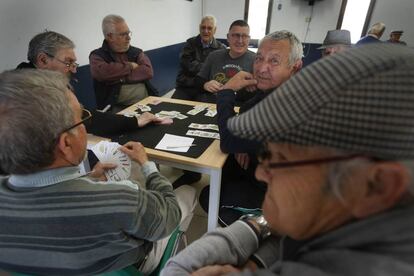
x: 58, y: 222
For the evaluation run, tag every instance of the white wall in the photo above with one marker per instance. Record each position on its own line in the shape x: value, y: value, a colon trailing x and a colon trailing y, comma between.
x: 293, y: 13
x: 154, y: 23
x: 396, y: 15
x: 226, y: 11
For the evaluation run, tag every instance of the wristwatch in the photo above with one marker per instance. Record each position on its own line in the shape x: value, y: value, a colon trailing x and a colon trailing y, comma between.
x: 264, y: 230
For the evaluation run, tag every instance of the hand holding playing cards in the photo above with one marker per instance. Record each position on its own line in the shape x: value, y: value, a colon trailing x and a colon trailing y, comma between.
x: 135, y: 151
x: 241, y: 80
x: 99, y: 170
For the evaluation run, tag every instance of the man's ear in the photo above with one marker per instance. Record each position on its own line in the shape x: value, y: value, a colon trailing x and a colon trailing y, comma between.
x: 386, y: 183
x: 42, y: 61
x: 65, y: 146
x: 109, y: 37
x: 297, y: 66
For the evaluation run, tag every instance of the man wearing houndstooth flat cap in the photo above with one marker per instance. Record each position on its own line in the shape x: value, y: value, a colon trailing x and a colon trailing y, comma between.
x: 338, y: 163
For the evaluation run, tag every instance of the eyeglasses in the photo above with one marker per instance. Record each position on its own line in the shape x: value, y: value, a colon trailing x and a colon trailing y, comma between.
x: 238, y: 36
x: 68, y: 64
x: 208, y: 28
x: 265, y: 154
x: 86, y: 116
x: 124, y: 34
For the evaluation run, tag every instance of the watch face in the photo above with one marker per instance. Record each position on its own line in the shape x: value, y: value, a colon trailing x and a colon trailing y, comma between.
x: 261, y: 220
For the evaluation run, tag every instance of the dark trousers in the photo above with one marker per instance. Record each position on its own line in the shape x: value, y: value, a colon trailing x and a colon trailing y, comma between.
x: 239, y: 188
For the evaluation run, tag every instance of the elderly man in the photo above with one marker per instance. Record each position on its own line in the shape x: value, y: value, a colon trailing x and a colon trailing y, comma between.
x: 374, y: 34
x: 54, y: 220
x: 222, y: 65
x: 395, y: 37
x: 279, y: 56
x: 335, y: 41
x: 338, y: 161
x: 192, y: 57
x: 120, y: 71
x: 54, y: 51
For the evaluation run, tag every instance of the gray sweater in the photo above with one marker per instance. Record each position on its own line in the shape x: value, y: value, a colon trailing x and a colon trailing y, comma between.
x: 380, y: 245
x: 57, y: 222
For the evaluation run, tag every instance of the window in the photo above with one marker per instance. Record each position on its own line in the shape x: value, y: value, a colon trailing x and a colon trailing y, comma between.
x: 258, y: 17
x: 356, y: 17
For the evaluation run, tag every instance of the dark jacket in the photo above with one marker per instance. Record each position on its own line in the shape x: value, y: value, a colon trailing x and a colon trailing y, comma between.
x: 368, y: 39
x: 192, y: 58
x: 102, y: 124
x: 107, y: 93
x: 229, y: 143
x: 226, y: 101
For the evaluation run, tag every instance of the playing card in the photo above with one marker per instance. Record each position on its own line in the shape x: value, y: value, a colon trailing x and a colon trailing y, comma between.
x: 211, y: 113
x: 197, y: 109
x: 205, y: 134
x: 204, y: 126
x: 109, y: 152
x: 143, y: 108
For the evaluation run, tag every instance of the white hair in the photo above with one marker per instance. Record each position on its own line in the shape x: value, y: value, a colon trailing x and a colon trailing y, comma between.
x: 377, y: 29
x: 209, y: 18
x: 109, y: 22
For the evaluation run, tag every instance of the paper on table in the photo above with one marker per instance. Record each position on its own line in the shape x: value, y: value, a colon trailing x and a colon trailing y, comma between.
x: 180, y: 143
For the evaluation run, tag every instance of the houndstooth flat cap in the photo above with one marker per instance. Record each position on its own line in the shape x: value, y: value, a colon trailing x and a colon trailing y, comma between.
x: 360, y: 100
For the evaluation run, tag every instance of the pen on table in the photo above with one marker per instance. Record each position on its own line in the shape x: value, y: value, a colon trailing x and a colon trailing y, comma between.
x: 183, y: 146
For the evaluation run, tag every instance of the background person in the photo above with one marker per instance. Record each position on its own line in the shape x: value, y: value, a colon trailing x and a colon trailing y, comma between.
x: 395, y: 37
x: 222, y: 65
x: 335, y: 41
x: 192, y: 57
x: 121, y: 72
x: 374, y: 34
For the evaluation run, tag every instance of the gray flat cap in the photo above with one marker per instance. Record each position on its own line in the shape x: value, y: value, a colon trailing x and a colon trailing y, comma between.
x: 361, y: 100
x: 336, y: 37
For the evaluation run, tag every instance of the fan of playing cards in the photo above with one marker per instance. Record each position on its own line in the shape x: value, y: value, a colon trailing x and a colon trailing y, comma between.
x: 108, y: 152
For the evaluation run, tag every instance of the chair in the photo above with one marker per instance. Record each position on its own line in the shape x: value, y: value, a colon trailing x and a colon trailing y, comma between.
x: 176, y: 241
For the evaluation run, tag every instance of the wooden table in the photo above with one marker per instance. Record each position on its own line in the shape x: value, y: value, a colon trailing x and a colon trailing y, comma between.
x: 210, y: 162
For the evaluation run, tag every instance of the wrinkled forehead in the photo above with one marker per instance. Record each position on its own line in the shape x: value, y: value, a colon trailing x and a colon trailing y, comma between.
x: 66, y: 54
x: 272, y: 47
x: 207, y: 22
x: 121, y: 27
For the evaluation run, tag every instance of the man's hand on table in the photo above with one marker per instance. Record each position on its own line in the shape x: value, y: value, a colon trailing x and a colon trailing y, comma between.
x: 135, y: 151
x: 147, y: 118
